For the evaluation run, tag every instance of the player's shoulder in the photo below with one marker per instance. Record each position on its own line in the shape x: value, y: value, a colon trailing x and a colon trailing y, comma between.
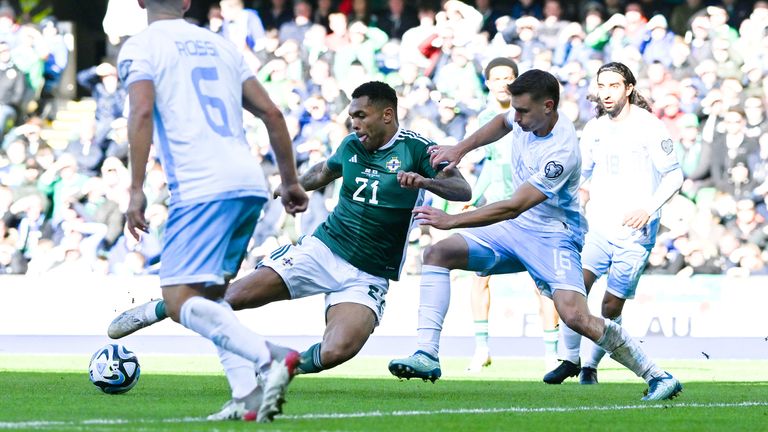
x: 413, y: 139
x: 645, y: 118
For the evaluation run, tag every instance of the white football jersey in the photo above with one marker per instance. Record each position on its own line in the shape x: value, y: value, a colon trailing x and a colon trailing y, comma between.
x: 198, y: 118
x: 552, y: 164
x: 624, y: 161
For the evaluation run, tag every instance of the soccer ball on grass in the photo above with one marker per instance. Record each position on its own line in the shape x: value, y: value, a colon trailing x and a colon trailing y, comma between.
x: 114, y: 369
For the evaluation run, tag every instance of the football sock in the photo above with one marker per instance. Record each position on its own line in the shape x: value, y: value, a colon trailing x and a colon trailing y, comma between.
x: 433, y: 305
x: 550, y: 338
x: 160, y: 310
x: 220, y: 325
x: 309, y: 362
x: 481, y: 335
x: 595, y: 352
x: 626, y: 351
x: 240, y: 372
x: 571, y: 344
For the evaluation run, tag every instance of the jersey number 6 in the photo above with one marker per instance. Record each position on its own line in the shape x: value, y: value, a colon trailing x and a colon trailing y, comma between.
x: 211, y: 103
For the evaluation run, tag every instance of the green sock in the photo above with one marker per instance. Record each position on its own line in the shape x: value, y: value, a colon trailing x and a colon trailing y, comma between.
x: 310, y: 361
x: 160, y: 310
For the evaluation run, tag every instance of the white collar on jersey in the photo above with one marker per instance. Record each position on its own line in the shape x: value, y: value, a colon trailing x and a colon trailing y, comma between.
x: 391, y: 142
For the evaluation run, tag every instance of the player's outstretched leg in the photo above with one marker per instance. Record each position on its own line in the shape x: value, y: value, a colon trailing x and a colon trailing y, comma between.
x: 136, y: 319
x: 419, y: 365
x: 278, y: 376
x: 565, y: 370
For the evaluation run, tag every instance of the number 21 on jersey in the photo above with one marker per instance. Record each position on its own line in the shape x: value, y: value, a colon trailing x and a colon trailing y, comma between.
x: 363, y: 184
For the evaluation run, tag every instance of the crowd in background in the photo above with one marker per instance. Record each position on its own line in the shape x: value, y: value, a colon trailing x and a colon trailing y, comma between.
x: 702, y: 65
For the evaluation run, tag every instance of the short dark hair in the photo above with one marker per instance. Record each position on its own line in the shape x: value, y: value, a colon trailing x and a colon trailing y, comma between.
x: 500, y: 61
x: 537, y: 83
x: 378, y: 92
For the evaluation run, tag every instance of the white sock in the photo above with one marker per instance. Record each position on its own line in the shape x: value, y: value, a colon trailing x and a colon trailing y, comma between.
x: 571, y: 344
x: 220, y: 325
x: 433, y: 305
x: 595, y: 352
x: 481, y: 335
x: 551, y: 339
x: 240, y: 372
x: 626, y: 351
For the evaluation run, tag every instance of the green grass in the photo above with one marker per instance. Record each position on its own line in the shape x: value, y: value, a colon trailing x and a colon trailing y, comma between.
x: 53, y: 393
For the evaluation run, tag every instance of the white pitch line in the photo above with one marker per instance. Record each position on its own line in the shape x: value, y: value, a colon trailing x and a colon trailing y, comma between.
x: 378, y: 414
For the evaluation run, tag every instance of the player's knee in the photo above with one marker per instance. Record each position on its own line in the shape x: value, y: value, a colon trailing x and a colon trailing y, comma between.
x: 437, y: 255
x: 611, y: 308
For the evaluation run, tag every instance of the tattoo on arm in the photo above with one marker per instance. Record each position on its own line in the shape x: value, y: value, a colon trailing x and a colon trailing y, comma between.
x: 318, y: 176
x: 451, y: 185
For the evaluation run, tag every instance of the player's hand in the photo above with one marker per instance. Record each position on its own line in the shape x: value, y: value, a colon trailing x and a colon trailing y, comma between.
x: 294, y: 198
x: 135, y: 214
x: 433, y: 217
x: 411, y: 180
x: 445, y: 154
x: 636, y: 219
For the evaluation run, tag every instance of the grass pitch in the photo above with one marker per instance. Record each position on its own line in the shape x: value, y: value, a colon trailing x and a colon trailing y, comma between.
x: 176, y: 393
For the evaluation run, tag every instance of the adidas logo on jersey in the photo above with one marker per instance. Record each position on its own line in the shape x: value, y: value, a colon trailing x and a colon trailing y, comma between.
x: 353, y: 159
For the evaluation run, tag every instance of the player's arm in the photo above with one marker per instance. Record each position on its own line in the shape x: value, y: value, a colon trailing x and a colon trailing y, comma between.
x: 141, y: 96
x: 448, y: 184
x: 492, y: 131
x: 665, y: 162
x: 524, y: 198
x: 257, y: 102
x: 670, y: 184
x: 319, y: 175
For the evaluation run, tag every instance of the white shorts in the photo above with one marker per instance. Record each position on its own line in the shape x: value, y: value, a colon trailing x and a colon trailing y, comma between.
x: 623, y: 260
x: 552, y: 259
x: 310, y: 268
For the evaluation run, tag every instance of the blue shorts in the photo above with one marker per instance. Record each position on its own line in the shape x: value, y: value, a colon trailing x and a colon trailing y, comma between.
x: 624, y: 262
x: 205, y: 243
x: 552, y: 259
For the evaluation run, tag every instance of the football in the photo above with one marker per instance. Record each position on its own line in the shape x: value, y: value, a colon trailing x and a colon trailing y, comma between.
x: 114, y: 369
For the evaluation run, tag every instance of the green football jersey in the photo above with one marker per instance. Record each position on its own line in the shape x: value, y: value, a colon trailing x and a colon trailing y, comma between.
x: 495, y: 180
x: 370, y: 224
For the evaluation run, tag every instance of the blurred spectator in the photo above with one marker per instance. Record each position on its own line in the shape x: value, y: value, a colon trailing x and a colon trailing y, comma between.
x: 694, y: 156
x: 60, y: 183
x: 491, y: 13
x: 657, y: 41
x: 244, y: 28
x: 364, y: 42
x: 680, y: 18
x: 523, y: 8
x: 122, y: 20
x: 12, y: 88
x: 275, y: 13
x: 301, y: 22
x: 730, y: 152
x: 109, y: 94
x: 322, y: 13
x: 59, y: 46
x: 397, y: 19
x: 552, y: 24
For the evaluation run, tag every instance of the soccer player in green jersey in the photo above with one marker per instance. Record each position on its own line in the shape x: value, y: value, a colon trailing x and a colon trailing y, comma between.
x: 351, y: 256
